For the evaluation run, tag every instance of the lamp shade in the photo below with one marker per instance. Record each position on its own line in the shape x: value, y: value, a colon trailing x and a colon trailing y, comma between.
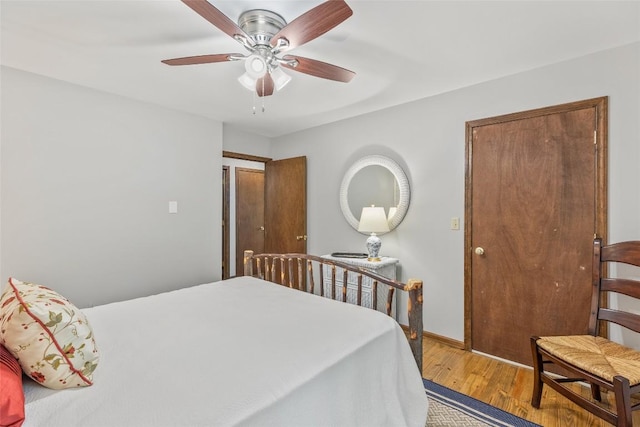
x: 256, y: 66
x: 373, y: 220
x: 280, y: 78
x: 247, y: 81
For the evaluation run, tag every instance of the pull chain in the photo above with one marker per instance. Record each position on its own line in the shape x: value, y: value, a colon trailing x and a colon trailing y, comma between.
x: 255, y: 95
x: 262, y: 94
x: 254, y: 101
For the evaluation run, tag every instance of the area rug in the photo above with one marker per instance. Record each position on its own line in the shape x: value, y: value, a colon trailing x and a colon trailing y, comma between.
x: 448, y: 408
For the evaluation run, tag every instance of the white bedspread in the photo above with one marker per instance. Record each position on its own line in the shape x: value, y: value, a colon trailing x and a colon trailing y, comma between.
x: 240, y: 352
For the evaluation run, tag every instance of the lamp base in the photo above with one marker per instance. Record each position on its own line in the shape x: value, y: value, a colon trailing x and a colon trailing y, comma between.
x: 373, y: 247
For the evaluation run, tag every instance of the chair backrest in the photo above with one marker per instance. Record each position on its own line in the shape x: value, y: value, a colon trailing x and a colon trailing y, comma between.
x: 603, y: 284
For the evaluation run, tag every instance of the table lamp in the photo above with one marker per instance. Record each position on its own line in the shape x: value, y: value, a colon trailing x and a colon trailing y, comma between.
x: 373, y: 220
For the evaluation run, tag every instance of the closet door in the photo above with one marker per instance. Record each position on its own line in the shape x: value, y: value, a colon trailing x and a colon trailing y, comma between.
x: 535, y: 198
x: 250, y: 202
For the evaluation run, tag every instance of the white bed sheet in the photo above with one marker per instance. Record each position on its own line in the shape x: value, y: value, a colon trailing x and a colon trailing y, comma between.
x: 240, y: 352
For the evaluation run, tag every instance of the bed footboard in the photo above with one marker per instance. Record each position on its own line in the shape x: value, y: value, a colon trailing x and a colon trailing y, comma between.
x: 305, y: 272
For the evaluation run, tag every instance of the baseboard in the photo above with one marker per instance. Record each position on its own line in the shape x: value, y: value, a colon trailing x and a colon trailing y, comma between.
x: 510, y: 362
x: 439, y: 338
x: 443, y: 340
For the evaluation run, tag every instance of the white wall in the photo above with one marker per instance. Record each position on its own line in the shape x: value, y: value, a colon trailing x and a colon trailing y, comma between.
x: 85, y: 182
x: 427, y: 138
x: 86, y: 178
x: 240, y: 141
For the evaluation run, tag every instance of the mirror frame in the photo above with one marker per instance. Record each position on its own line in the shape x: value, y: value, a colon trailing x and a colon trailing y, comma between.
x: 401, y: 179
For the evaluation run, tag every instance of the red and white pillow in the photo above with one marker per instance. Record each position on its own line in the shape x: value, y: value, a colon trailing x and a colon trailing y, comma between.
x: 49, y: 336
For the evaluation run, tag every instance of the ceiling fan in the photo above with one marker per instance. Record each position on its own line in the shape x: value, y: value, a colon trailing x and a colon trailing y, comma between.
x: 265, y: 35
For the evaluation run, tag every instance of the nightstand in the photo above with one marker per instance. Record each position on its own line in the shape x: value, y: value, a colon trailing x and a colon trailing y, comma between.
x: 386, y: 267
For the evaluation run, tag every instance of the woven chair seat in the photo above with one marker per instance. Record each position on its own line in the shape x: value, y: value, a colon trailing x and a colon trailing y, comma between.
x: 596, y: 355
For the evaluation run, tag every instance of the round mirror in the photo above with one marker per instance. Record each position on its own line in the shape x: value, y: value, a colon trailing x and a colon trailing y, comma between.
x: 375, y: 180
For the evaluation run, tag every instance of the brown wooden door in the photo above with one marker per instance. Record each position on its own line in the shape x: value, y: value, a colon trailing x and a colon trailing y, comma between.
x: 250, y: 220
x: 535, y: 198
x: 286, y: 205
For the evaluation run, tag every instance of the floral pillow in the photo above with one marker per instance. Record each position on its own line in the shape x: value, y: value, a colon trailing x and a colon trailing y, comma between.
x: 49, y: 336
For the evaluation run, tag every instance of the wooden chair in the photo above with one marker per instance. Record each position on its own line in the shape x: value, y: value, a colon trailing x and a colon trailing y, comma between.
x: 591, y: 358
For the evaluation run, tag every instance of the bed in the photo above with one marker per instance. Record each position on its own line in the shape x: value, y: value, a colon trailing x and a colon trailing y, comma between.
x: 244, y: 351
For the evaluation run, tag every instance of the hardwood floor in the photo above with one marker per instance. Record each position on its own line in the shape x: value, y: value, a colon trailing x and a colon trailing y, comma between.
x: 504, y: 385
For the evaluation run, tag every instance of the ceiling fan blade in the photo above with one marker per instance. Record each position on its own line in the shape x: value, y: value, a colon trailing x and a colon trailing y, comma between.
x: 217, y: 18
x: 265, y: 85
x: 313, y: 23
x: 201, y: 59
x: 318, y: 69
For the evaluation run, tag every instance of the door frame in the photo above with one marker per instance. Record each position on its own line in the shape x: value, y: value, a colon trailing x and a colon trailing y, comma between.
x: 226, y: 243
x: 278, y: 165
x: 226, y: 196
x: 600, y: 146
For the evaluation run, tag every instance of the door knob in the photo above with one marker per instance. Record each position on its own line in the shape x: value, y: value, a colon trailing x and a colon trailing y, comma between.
x: 479, y: 251
x: 301, y: 237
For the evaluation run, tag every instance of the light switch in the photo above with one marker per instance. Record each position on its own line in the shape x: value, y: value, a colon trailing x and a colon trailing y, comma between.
x: 455, y: 223
x: 173, y: 207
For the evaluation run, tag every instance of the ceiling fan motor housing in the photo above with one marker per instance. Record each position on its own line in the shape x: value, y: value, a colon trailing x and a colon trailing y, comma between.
x: 261, y: 24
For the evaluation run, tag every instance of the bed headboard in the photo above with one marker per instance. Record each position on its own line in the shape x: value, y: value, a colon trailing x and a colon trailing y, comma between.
x: 305, y: 272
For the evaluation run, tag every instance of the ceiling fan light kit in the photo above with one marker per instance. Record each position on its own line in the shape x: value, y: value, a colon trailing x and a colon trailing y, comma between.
x: 265, y: 34
x: 256, y: 66
x: 280, y: 78
x: 248, y: 82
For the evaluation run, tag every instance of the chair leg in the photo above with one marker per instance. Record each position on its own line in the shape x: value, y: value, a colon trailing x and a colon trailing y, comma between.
x: 536, y: 396
x: 623, y: 401
x: 595, y: 392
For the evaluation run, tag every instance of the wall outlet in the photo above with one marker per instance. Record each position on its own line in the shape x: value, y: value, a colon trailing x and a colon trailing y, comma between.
x: 173, y: 207
x: 455, y: 223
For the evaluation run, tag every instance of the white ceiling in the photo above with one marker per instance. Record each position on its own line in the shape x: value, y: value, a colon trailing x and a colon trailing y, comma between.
x: 400, y: 50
